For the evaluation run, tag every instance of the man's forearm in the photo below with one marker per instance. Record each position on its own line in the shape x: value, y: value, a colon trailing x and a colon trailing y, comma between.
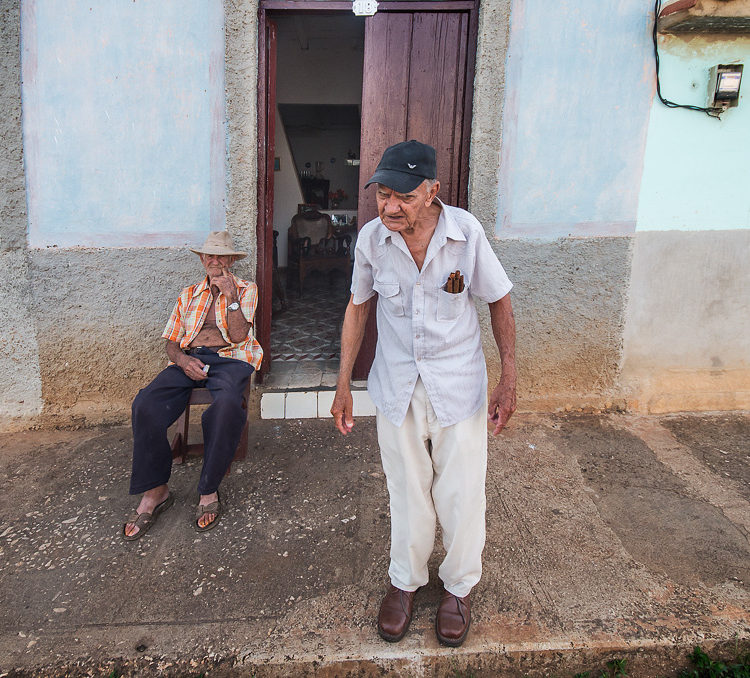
x: 237, y: 326
x: 174, y: 351
x: 352, y: 333
x: 504, y: 330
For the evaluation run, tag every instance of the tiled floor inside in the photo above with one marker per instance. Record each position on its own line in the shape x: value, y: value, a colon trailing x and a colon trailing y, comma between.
x: 306, y: 335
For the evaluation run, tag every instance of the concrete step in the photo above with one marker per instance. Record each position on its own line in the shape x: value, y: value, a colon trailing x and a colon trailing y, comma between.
x: 310, y: 403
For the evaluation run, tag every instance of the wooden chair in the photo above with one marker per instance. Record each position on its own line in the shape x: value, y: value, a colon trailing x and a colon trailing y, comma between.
x: 180, y: 446
x: 278, y: 290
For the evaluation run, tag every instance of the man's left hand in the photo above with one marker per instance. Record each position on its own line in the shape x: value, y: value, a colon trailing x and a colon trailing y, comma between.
x: 225, y: 284
x: 502, y: 404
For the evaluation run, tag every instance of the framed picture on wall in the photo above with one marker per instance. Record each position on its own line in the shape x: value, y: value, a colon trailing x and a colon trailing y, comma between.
x: 315, y: 190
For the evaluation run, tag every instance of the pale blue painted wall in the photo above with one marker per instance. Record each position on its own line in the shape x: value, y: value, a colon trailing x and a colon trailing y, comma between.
x: 697, y: 169
x: 578, y: 93
x: 123, y: 121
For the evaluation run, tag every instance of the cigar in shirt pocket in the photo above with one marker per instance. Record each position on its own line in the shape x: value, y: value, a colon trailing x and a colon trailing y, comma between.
x: 455, y: 283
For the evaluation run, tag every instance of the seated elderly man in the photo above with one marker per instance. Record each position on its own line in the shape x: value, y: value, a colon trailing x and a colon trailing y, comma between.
x: 209, y: 345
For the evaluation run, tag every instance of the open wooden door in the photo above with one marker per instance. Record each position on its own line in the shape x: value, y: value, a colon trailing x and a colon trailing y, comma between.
x: 266, y: 138
x: 418, y: 84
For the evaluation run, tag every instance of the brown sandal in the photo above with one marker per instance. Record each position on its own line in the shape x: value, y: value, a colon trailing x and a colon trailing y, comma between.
x: 144, y: 521
x: 215, y: 508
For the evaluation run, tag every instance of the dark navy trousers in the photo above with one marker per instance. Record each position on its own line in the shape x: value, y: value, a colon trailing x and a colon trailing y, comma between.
x: 158, y: 406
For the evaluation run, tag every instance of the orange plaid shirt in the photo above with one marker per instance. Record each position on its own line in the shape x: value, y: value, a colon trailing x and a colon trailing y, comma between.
x: 190, y: 312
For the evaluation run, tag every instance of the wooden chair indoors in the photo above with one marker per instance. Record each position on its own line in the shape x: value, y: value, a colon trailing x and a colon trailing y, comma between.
x: 278, y: 293
x: 314, y: 246
x: 181, y: 448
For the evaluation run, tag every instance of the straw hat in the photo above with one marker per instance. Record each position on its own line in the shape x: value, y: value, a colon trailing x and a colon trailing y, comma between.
x: 219, y: 242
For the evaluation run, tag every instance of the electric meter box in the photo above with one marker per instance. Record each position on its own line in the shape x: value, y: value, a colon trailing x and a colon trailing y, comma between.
x: 724, y: 85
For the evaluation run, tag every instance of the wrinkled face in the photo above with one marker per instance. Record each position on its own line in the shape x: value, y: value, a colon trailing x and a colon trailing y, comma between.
x: 216, y: 263
x: 401, y: 211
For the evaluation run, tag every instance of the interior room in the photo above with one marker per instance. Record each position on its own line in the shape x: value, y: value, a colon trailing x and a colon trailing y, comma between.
x: 316, y: 184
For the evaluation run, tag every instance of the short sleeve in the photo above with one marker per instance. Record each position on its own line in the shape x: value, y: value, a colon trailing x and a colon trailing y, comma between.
x: 490, y: 282
x: 249, y: 301
x: 362, y: 278
x: 175, y: 330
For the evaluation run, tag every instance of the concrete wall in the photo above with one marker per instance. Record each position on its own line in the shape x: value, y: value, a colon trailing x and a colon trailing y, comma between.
x: 568, y: 299
x: 688, y: 315
x: 695, y: 167
x: 21, y: 399
x: 487, y: 114
x: 124, y: 126
x: 615, y: 308
x: 688, y: 321
x: 576, y: 114
x: 572, y: 85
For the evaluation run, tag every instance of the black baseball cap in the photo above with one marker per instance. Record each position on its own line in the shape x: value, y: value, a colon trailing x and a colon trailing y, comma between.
x: 404, y: 166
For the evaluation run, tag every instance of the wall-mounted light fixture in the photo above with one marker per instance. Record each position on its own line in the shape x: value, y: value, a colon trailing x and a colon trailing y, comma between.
x: 724, y: 86
x: 364, y: 7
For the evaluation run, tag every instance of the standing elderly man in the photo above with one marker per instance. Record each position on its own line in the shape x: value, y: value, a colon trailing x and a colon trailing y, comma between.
x: 426, y: 262
x: 209, y: 344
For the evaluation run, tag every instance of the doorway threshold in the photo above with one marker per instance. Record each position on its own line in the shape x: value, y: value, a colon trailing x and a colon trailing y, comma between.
x: 311, y: 402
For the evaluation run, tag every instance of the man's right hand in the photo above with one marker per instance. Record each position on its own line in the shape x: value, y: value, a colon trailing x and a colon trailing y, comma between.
x: 192, y: 367
x: 342, y: 409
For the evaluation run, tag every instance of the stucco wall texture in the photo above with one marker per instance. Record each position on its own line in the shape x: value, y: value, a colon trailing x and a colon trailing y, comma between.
x: 124, y: 122
x: 688, y: 321
x: 569, y: 299
x: 660, y: 325
x: 12, y: 186
x: 20, y: 398
x: 100, y: 315
x: 487, y: 113
x: 241, y: 64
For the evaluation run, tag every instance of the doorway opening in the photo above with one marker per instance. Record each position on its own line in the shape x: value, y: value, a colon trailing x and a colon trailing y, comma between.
x: 409, y: 69
x: 318, y: 96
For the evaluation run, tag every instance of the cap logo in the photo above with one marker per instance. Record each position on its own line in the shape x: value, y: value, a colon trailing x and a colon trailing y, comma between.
x: 410, y: 166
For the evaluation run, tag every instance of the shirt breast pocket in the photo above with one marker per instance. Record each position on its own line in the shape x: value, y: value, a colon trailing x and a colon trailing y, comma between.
x: 390, y: 292
x: 450, y: 306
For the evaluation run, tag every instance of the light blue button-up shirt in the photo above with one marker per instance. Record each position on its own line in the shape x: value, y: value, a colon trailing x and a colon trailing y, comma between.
x: 424, y: 331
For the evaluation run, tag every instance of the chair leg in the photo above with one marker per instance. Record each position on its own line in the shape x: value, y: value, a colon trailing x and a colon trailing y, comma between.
x: 180, y: 441
x: 241, y: 451
x: 177, y: 456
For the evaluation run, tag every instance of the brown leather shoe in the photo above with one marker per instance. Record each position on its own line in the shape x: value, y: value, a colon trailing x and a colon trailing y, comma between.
x: 395, y: 614
x: 453, y: 619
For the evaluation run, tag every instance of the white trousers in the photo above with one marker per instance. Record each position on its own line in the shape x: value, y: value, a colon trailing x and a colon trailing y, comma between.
x: 433, y: 471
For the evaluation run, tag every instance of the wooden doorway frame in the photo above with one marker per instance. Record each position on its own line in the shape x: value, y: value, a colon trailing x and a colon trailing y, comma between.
x: 266, y: 123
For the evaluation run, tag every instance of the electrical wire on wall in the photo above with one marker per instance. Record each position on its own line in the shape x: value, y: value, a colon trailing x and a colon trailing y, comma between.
x: 713, y: 112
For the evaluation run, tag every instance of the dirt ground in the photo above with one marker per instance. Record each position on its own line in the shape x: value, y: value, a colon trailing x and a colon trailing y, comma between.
x: 609, y: 536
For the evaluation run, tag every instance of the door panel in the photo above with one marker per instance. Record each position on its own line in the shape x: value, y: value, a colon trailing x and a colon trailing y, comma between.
x: 384, y: 97
x: 437, y: 76
x: 266, y: 150
x: 416, y: 85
